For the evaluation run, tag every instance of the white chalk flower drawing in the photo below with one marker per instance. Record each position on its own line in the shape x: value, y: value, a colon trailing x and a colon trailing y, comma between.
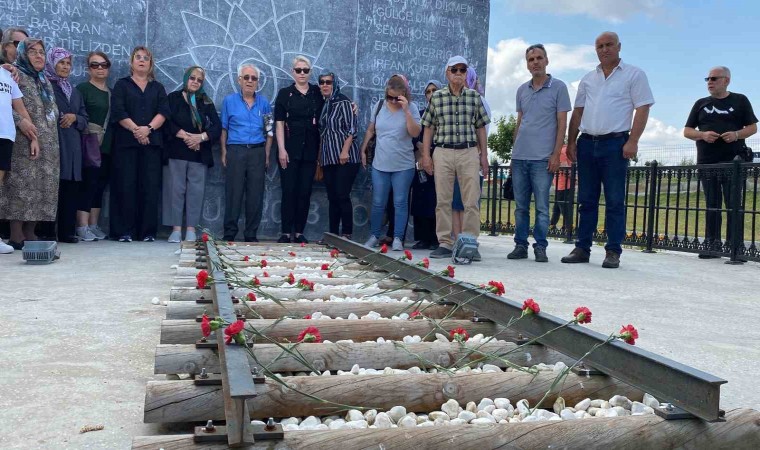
x: 221, y: 34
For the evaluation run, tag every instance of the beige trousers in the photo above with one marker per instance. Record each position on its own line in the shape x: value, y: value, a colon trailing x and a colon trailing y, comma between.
x: 464, y: 165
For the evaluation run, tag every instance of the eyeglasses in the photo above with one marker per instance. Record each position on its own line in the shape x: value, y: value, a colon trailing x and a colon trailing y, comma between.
x: 430, y: 91
x: 300, y: 70
x: 194, y: 78
x: 327, y: 82
x: 100, y: 65
x: 391, y: 99
x: 145, y: 58
x: 713, y: 78
x: 35, y: 52
x: 461, y: 70
x: 249, y: 77
x: 15, y: 43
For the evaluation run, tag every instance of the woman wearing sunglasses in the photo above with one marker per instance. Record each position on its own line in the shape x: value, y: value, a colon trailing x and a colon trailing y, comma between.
x: 297, y: 111
x: 193, y: 128
x: 339, y: 154
x: 140, y: 108
x: 395, y: 123
x: 97, y: 102
x: 12, y: 37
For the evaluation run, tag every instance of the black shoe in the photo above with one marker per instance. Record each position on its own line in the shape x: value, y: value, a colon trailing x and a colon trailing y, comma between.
x: 441, y: 252
x: 251, y: 239
x: 284, y: 239
x: 708, y: 256
x: 611, y: 261
x: 421, y: 245
x: 228, y: 238
x: 149, y: 239
x: 301, y: 239
x: 125, y: 238
x: 519, y: 252
x: 578, y: 255
x: 69, y: 240
x: 16, y: 245
x: 434, y: 246
x: 540, y: 254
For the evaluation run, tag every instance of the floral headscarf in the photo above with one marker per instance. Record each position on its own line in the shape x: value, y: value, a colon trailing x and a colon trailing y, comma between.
x: 193, y: 98
x: 43, y: 85
x: 326, y: 107
x: 54, y: 56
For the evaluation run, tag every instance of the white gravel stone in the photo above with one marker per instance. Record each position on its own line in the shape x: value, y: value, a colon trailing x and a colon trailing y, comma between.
x: 388, y: 371
x: 490, y: 368
x: 620, y: 400
x: 407, y: 422
x: 355, y: 369
x: 441, y: 338
x: 543, y: 414
x: 309, y: 423
x: 566, y: 414
x: 354, y: 414
x: 425, y: 424
x: 155, y: 301
x: 640, y: 409
x: 592, y: 410
x: 422, y: 418
x: 501, y: 402
x: 353, y: 316
x: 531, y: 419
x: 650, y: 401
x: 290, y: 420
x: 257, y: 422
x: 467, y: 416
x: 316, y: 315
x: 501, y: 414
x: 290, y: 427
x: 514, y: 420
x: 596, y: 403
x: 559, y: 405
x: 381, y: 340
x: 583, y: 404
x: 621, y: 411
x: 523, y: 407
x: 370, y: 416
x: 451, y: 408
x: 457, y: 421
x: 396, y: 413
x: 321, y: 426
x: 606, y: 412
x: 415, y: 370
x: 484, y: 415
x: 357, y: 424
x: 438, y: 414
x: 483, y: 403
x: 472, y: 407
x: 559, y: 366
x: 483, y: 421
x: 382, y: 420
x: 339, y: 424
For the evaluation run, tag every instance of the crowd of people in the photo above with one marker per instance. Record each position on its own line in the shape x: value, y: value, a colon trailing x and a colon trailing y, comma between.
x: 60, y: 146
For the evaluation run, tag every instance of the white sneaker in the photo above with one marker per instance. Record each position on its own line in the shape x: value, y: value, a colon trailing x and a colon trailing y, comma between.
x: 190, y: 236
x: 100, y: 234
x: 84, y: 234
x: 175, y: 237
x: 372, y: 242
x: 5, y: 248
x: 397, y: 245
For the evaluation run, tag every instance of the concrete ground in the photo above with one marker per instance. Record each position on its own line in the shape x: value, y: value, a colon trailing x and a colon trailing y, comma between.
x: 77, y: 337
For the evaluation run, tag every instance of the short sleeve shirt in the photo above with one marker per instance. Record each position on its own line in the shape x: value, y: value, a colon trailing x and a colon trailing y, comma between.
x: 245, y: 125
x: 608, y: 103
x: 720, y: 115
x: 300, y: 112
x: 538, y: 124
x: 455, y: 117
x: 394, y: 149
x: 9, y: 91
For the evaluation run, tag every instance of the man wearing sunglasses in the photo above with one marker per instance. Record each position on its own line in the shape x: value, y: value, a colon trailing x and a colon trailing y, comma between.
x: 604, y: 114
x: 455, y: 120
x: 719, y: 123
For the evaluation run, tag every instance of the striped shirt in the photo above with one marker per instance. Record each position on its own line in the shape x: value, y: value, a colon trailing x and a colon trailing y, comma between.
x: 455, y: 118
x: 341, y: 123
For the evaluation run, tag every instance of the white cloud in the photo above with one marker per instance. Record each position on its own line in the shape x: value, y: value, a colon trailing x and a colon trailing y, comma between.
x: 610, y: 11
x: 658, y: 133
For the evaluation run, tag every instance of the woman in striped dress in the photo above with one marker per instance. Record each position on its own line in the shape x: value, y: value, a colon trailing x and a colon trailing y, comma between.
x: 339, y: 154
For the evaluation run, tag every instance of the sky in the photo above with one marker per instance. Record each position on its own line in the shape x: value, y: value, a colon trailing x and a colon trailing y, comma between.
x: 674, y: 42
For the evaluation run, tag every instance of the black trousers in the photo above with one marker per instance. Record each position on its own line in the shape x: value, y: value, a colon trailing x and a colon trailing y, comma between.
x: 295, y: 183
x: 339, y: 179
x: 245, y: 176
x: 135, y: 191
x: 562, y: 206
x: 424, y: 229
x: 68, y: 200
x: 717, y: 190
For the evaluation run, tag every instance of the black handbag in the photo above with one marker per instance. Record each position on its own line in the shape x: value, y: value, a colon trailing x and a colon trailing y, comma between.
x: 746, y: 153
x: 507, y: 191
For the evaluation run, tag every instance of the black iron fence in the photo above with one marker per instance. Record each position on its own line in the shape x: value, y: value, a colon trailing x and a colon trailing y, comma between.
x: 695, y: 208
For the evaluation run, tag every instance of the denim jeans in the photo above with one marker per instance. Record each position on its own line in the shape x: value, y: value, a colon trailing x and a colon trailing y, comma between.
x: 401, y: 181
x: 601, y: 164
x: 531, y: 178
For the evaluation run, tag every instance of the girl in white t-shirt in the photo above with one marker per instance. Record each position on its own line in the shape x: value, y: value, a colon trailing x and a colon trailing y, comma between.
x: 10, y: 100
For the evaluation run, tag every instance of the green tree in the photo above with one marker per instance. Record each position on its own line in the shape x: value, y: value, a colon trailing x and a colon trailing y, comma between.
x: 503, y: 139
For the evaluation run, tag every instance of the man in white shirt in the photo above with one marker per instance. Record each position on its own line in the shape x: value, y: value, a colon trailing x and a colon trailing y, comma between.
x: 604, y: 115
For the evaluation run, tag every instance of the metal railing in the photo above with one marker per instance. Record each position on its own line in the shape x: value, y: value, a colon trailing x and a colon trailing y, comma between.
x: 697, y: 208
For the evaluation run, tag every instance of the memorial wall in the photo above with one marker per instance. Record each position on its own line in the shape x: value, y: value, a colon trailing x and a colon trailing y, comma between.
x: 363, y: 41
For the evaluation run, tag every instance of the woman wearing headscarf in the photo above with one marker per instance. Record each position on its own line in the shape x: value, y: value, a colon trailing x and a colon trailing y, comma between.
x: 193, y: 128
x: 30, y: 191
x: 139, y: 106
x: 297, y: 109
x: 72, y: 121
x: 339, y: 153
x: 457, y: 207
x: 396, y: 124
x: 423, y: 191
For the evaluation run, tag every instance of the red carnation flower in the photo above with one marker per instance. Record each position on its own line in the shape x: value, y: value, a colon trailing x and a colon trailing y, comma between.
x: 530, y: 307
x: 408, y: 255
x: 384, y: 248
x: 448, y: 271
x: 325, y: 266
x: 330, y: 274
x: 256, y: 281
x: 307, y: 316
x: 290, y: 278
x: 305, y: 284
x: 459, y: 334
x: 582, y: 315
x: 303, y: 244
x: 334, y: 253
x: 415, y: 314
x: 204, y: 237
x: 246, y: 258
x: 263, y: 263
x: 202, y: 278
x: 205, y: 326
x: 629, y: 334
x: 310, y: 334
x: 495, y: 287
x: 251, y: 296
x: 234, y: 332
x: 292, y: 253
x: 265, y: 274
x: 424, y: 263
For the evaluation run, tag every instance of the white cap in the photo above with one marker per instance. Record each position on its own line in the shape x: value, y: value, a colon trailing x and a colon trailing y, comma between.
x: 454, y: 60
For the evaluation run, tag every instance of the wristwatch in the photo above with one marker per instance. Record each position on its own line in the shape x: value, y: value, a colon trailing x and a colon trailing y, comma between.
x: 150, y: 128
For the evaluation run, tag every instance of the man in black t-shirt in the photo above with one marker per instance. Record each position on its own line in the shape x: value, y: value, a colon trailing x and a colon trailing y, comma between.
x: 719, y: 124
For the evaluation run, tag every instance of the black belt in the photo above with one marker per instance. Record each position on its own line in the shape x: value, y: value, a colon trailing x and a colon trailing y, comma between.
x: 458, y: 146
x: 604, y: 137
x: 250, y: 145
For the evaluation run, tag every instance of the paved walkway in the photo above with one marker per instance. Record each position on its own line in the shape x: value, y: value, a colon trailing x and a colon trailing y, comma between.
x: 78, y: 337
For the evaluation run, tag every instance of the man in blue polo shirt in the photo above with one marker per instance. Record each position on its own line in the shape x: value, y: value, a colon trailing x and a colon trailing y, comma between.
x: 542, y: 107
x: 246, y: 141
